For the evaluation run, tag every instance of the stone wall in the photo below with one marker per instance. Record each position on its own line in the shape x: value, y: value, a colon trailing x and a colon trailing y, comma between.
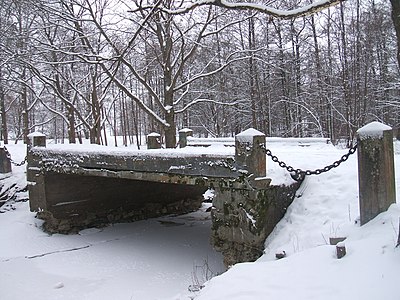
x: 244, y: 215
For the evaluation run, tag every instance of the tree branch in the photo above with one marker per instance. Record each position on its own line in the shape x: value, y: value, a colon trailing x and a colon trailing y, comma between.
x: 265, y: 9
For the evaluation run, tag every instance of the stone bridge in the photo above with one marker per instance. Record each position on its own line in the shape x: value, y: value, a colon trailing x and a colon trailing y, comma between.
x: 75, y: 187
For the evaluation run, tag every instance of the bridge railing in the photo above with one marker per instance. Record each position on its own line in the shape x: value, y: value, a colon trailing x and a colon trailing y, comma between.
x: 205, y: 142
x: 245, y: 159
x: 186, y: 139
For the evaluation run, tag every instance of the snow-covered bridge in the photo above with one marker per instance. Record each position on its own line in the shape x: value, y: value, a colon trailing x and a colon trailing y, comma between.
x: 72, y: 187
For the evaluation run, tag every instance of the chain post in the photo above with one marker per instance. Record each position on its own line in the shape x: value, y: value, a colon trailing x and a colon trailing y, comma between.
x: 5, y: 161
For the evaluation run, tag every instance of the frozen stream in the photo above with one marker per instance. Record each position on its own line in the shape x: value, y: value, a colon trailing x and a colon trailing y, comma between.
x: 152, y: 259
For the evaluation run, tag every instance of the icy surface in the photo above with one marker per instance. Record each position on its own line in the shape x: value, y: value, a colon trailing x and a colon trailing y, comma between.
x: 152, y: 259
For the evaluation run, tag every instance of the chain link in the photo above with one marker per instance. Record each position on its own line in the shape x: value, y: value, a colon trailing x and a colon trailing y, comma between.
x: 17, y: 164
x: 299, y: 174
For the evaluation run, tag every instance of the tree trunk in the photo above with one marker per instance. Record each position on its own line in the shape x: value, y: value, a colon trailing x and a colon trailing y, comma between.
x: 252, y: 74
x: 345, y: 79
x: 396, y: 23
x: 4, y: 129
x: 318, y: 71
x: 96, y: 127
x: 71, y: 125
x: 170, y: 134
x: 25, y: 119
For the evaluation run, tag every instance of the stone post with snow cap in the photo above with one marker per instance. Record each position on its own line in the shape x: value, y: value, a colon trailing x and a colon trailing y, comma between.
x: 154, y: 141
x: 376, y: 175
x: 37, y: 139
x: 183, y: 135
x: 248, y: 155
x: 5, y: 161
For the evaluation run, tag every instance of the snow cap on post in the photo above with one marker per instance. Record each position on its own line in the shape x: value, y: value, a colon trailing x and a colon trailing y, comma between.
x: 187, y: 130
x: 373, y: 130
x: 248, y: 154
x: 183, y: 135
x: 376, y: 178
x: 248, y: 135
x: 154, y: 141
x: 154, y: 134
x: 37, y: 139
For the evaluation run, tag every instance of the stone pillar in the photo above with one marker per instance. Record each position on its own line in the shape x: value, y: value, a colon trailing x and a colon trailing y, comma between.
x: 183, y: 135
x: 396, y: 133
x: 153, y: 141
x: 248, y: 155
x: 376, y: 178
x: 37, y: 139
x: 5, y: 161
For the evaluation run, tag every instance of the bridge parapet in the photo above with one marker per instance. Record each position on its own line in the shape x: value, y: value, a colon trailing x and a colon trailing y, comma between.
x: 170, y: 162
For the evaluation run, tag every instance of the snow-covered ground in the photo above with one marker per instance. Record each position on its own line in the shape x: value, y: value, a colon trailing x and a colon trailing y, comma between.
x: 160, y: 258
x: 328, y: 207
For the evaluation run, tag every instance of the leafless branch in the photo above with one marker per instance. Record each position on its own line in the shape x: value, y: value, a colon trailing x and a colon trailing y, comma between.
x: 265, y: 9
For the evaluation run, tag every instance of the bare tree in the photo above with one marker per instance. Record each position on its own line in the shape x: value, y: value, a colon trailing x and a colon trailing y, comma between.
x: 173, y: 43
x: 396, y: 22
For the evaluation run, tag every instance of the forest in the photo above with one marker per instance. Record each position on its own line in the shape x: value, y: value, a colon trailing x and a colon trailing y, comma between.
x: 98, y: 69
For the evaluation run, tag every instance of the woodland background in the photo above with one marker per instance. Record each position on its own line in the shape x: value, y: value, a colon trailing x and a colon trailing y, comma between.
x: 98, y: 69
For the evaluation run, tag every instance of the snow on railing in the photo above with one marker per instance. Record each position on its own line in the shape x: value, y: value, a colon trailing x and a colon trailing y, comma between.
x: 195, y: 141
x: 230, y: 141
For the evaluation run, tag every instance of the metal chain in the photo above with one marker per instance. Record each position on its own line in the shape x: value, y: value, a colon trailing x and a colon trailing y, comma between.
x: 298, y: 174
x: 17, y: 164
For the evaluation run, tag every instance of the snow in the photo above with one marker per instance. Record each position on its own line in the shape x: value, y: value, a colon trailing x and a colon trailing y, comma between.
x: 168, y: 108
x: 247, y: 135
x: 327, y: 208
x: 84, y: 149
x: 154, y: 134
x: 36, y: 133
x: 186, y: 130
x: 292, y: 13
x: 153, y: 259
x: 370, y: 270
x: 157, y: 258
x: 251, y: 218
x: 211, y: 141
x: 373, y: 130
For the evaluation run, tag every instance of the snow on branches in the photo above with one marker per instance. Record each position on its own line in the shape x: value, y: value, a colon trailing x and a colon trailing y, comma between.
x: 269, y: 10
